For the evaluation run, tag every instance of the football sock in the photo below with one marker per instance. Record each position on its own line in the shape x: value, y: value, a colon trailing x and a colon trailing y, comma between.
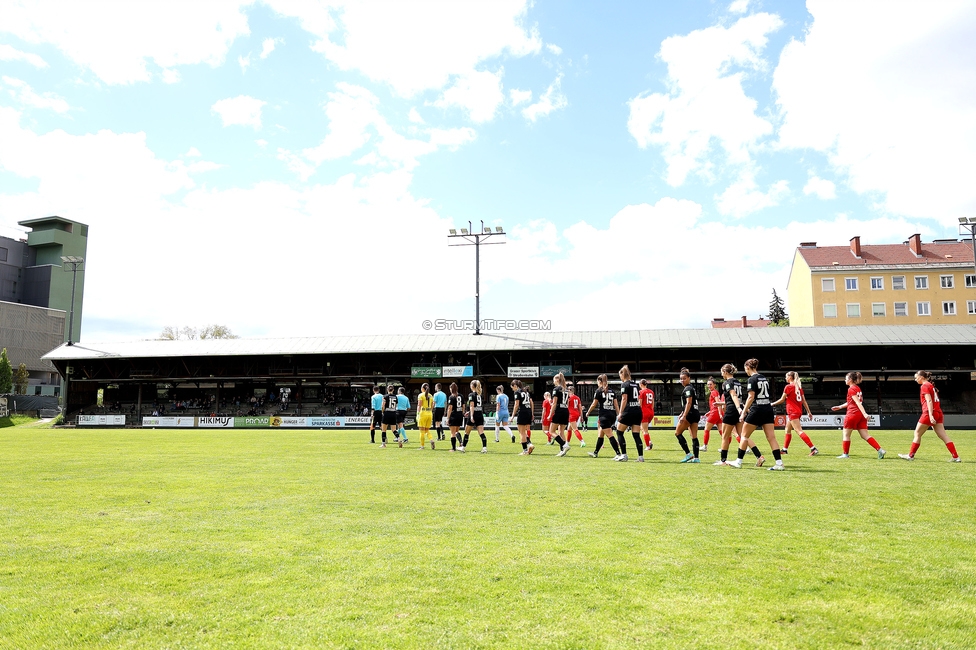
x: 724, y: 454
x: 777, y: 455
x: 383, y: 437
x: 806, y: 439
x: 423, y: 438
x: 464, y: 440
x: 613, y: 443
x: 453, y: 443
x: 559, y: 441
x: 372, y: 436
x: 683, y: 443
x: 952, y: 449
x: 874, y: 443
x: 622, y: 442
x: 548, y: 436
x: 755, y: 450
x: 647, y: 440
x: 916, y: 445
x: 528, y: 435
x: 508, y: 430
x: 599, y: 445
x: 497, y: 429
x: 705, y: 441
x: 637, y: 442
x: 787, y: 441
x: 845, y: 446
x: 484, y: 440
x: 579, y: 436
x: 741, y: 453
x: 525, y: 446
x: 694, y: 446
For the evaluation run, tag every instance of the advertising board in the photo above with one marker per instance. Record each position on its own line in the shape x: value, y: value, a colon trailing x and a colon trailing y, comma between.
x: 169, y: 422
x: 523, y: 372
x: 101, y: 420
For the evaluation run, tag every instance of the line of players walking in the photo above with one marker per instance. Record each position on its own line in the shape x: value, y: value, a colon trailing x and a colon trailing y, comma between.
x: 633, y: 408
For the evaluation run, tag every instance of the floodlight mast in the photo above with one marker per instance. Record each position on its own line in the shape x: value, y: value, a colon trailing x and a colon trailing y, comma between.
x: 968, y: 227
x: 477, y: 239
x: 71, y: 263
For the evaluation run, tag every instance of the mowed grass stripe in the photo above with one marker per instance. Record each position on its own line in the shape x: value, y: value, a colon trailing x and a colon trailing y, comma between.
x: 318, y: 539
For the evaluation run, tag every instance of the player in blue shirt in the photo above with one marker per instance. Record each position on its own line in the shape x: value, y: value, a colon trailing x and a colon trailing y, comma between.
x: 440, y: 403
x: 501, y: 413
x: 377, y: 403
x: 403, y: 404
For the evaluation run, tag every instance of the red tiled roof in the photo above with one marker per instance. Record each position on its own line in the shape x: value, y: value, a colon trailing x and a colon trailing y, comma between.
x: 888, y: 254
x: 737, y: 323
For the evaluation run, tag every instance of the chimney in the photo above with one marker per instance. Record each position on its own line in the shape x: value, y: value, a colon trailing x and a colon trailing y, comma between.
x: 808, y: 244
x: 915, y: 243
x: 744, y: 322
x: 856, y: 246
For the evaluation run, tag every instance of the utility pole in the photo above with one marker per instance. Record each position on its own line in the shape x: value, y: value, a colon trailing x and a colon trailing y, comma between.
x: 476, y: 239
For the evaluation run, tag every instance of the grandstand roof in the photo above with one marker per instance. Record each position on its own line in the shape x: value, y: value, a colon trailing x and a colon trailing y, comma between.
x: 887, y: 335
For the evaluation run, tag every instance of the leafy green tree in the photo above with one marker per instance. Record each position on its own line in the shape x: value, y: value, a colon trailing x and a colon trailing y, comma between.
x: 21, y: 379
x: 186, y: 333
x: 777, y: 312
x: 6, y: 374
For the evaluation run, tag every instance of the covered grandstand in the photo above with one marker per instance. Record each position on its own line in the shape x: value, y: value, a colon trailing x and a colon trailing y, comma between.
x: 333, y: 375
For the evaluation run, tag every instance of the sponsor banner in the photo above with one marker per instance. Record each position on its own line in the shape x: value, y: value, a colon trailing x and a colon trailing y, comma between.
x: 178, y: 422
x: 523, y: 372
x: 357, y: 421
x: 665, y: 421
x: 457, y: 371
x: 252, y: 422
x: 215, y: 422
x: 101, y: 420
x: 833, y: 420
x: 552, y: 371
x: 426, y: 372
x: 287, y: 422
x: 330, y: 422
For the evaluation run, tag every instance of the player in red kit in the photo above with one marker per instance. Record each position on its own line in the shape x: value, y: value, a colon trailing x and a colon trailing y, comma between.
x: 575, y: 411
x: 547, y: 415
x: 647, y: 413
x: 714, y: 417
x: 795, y: 402
x: 931, y: 417
x: 856, y: 418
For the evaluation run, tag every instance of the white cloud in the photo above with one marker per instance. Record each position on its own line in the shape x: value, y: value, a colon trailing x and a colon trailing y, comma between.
x: 10, y: 53
x: 478, y: 92
x: 241, y: 110
x: 414, y: 116
x: 551, y: 100
x: 705, y: 101
x: 739, y: 7
x: 171, y: 76
x: 821, y: 188
x: 519, y: 96
x: 268, y: 46
x: 192, y: 152
x: 23, y: 93
x: 555, y: 49
x: 116, y: 40
x: 888, y: 92
x: 244, y: 62
x: 415, y: 46
x: 743, y: 197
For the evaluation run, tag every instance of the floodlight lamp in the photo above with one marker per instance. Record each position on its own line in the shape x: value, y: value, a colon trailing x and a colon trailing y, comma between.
x: 498, y: 229
x: 453, y: 231
x: 962, y: 219
x: 972, y: 219
x: 464, y: 231
x: 487, y: 230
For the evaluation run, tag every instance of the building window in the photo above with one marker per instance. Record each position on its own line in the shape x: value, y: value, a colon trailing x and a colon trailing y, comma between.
x: 827, y: 284
x: 948, y: 281
x: 853, y: 310
x: 898, y: 282
x: 3, y: 254
x: 921, y: 282
x: 901, y: 309
x: 877, y: 283
x: 970, y: 281
x: 948, y: 307
x: 830, y: 311
x: 851, y: 284
x: 971, y: 307
x: 877, y: 309
x: 923, y: 309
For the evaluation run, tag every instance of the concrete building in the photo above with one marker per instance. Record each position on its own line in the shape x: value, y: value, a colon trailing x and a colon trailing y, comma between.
x: 912, y: 283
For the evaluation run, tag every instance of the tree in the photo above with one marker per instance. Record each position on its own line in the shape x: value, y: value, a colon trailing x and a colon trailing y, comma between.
x: 21, y: 377
x: 187, y: 333
x: 6, y: 374
x: 777, y: 312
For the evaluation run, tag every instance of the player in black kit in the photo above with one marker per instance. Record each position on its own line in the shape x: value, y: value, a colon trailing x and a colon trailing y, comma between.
x: 476, y: 416
x: 560, y: 412
x: 523, y: 415
x: 606, y: 402
x: 758, y: 413
x: 629, y: 415
x: 455, y: 417
x: 389, y: 414
x: 733, y: 403
x: 689, y: 418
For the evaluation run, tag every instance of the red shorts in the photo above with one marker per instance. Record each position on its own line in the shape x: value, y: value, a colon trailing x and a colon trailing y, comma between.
x: 546, y: 423
x: 925, y: 417
x: 794, y: 415
x: 574, y: 416
x: 713, y: 417
x: 855, y: 421
x: 646, y: 417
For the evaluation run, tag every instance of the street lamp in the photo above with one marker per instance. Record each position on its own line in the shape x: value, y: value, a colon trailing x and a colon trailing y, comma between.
x: 71, y: 263
x: 967, y: 226
x: 477, y: 239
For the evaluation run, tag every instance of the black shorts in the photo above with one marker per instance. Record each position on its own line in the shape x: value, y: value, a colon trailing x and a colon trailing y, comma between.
x: 693, y: 417
x: 731, y: 416
x: 607, y: 419
x: 456, y: 419
x: 560, y: 416
x: 632, y: 417
x: 758, y: 416
x: 401, y: 417
x: 389, y: 417
x: 524, y: 417
x: 438, y: 415
x: 479, y: 419
x: 377, y: 418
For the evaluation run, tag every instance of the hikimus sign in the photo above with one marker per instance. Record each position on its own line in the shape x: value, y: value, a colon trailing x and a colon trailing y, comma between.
x: 215, y: 422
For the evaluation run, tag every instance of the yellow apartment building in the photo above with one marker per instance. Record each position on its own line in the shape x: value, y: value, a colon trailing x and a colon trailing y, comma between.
x: 887, y: 284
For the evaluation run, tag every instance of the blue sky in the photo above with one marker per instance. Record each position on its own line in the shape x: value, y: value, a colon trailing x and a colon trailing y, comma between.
x: 291, y: 168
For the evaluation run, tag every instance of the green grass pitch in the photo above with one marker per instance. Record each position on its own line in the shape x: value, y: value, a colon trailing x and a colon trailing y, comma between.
x: 252, y: 539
